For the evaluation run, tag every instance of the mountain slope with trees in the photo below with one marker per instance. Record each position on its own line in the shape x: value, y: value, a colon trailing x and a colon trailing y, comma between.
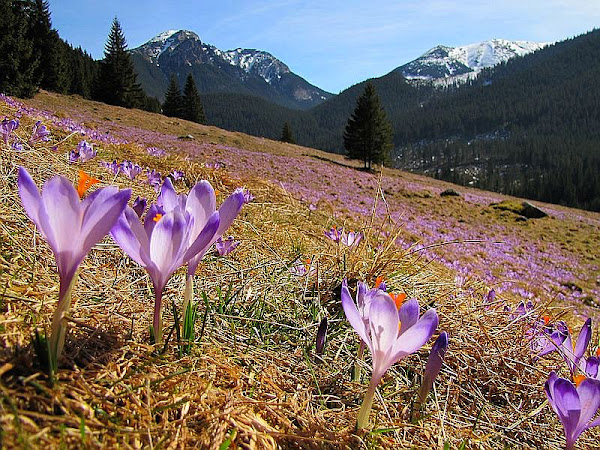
x: 529, y: 127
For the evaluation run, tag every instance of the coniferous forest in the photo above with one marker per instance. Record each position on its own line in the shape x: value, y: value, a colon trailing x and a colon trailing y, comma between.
x: 529, y: 127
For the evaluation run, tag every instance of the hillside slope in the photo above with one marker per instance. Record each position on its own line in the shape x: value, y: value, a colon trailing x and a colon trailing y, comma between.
x: 253, y: 379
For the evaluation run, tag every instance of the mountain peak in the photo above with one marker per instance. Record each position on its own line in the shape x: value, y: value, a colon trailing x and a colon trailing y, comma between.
x: 443, y: 63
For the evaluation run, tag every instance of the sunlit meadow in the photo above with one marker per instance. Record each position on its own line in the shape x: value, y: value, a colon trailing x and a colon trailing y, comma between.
x: 226, y: 355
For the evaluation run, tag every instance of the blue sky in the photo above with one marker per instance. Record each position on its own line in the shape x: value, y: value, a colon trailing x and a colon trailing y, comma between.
x: 332, y: 44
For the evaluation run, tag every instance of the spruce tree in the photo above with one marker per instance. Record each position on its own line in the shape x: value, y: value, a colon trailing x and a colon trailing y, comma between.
x: 368, y: 133
x: 286, y: 134
x: 173, y: 105
x: 117, y: 81
x: 18, y: 60
x: 192, y: 106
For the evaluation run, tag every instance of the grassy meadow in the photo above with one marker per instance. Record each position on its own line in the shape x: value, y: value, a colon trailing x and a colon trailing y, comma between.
x: 252, y: 379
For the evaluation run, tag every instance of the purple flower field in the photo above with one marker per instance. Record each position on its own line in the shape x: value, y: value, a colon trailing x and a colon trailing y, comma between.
x: 554, y: 258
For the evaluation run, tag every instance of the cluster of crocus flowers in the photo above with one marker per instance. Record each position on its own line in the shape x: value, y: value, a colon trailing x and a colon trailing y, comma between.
x: 130, y: 169
x: 390, y: 333
x: 177, y: 230
x: 71, y: 224
x: 114, y: 167
x: 155, y: 151
x: 83, y: 153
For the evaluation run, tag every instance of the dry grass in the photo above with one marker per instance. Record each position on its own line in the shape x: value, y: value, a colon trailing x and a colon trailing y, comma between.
x: 252, y: 379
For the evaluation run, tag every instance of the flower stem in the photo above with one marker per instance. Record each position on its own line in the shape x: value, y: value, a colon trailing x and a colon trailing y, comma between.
x: 59, y: 328
x: 157, y: 322
x: 365, y: 409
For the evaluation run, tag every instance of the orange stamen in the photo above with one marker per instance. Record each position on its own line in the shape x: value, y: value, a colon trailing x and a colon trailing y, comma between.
x: 378, y: 281
x: 578, y: 379
x: 216, y: 192
x: 157, y: 217
x: 398, y: 299
x: 85, y: 182
x: 598, y: 352
x: 546, y: 320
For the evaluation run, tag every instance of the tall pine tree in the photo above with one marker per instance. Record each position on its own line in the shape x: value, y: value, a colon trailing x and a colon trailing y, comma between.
x: 368, y: 134
x: 173, y: 105
x: 117, y: 81
x: 192, y: 106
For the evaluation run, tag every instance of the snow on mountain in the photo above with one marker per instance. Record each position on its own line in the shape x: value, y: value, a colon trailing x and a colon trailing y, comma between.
x: 258, y: 62
x: 446, y: 64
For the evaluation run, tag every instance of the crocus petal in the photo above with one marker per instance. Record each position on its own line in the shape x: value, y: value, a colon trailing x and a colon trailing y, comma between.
x: 549, y: 389
x: 101, y: 210
x: 589, y: 398
x: 63, y: 215
x: 567, y: 404
x: 201, y: 203
x: 408, y: 314
x: 229, y: 210
x: 553, y: 342
x: 416, y: 336
x: 354, y: 316
x: 30, y: 196
x: 168, y: 198
x: 204, y: 240
x: 151, y: 218
x: 128, y: 232
x: 591, y: 367
x: 383, y: 322
x: 168, y: 243
x: 583, y: 339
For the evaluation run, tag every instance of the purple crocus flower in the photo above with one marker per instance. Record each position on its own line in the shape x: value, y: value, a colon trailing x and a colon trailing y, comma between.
x: 351, y: 238
x: 391, y: 335
x: 154, y: 179
x: 334, y: 234
x: 571, y: 352
x: 7, y: 127
x: 71, y: 227
x: 248, y: 197
x: 39, y: 133
x: 139, y: 205
x: 86, y: 151
x: 177, y: 175
x: 225, y: 247
x: 17, y: 147
x: 130, y: 169
x: 73, y: 156
x: 162, y: 244
x: 433, y: 367
x: 574, y: 405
